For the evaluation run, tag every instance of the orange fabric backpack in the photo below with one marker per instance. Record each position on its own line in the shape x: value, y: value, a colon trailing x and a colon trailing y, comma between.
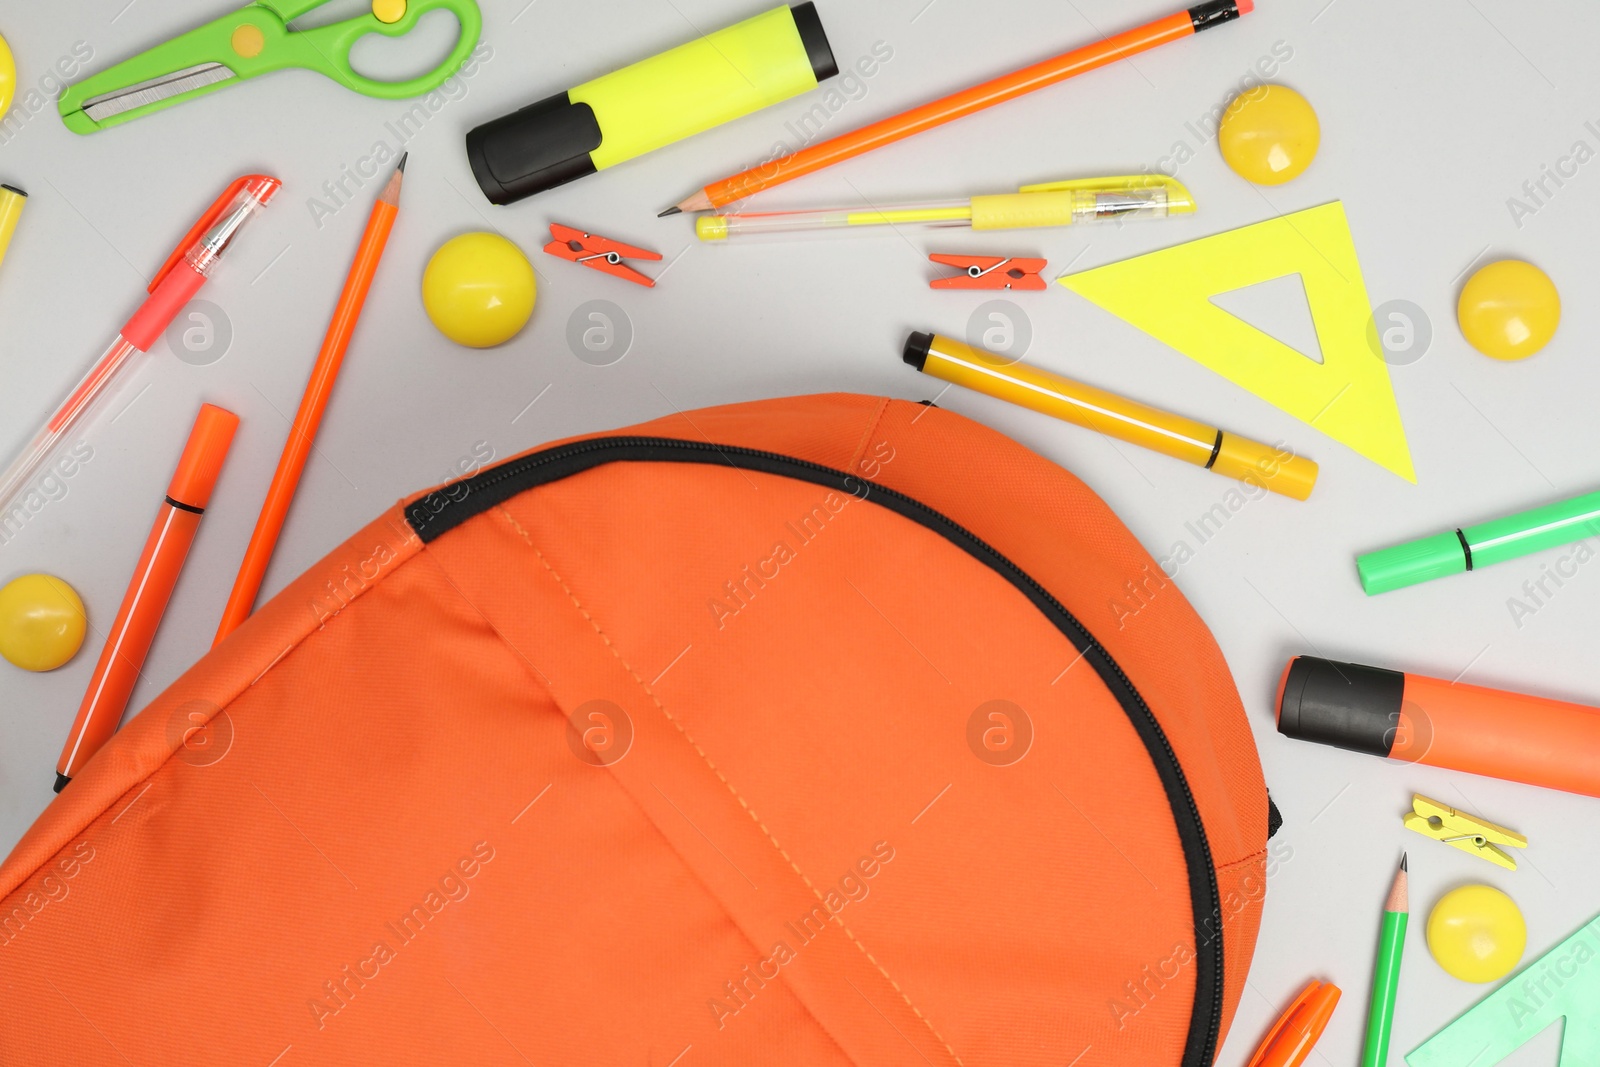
x: 810, y: 731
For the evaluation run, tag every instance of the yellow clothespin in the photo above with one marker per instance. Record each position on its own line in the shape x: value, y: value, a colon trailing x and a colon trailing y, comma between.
x: 1471, y: 835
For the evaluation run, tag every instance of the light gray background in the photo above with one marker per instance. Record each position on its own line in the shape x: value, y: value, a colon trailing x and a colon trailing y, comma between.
x: 1433, y: 115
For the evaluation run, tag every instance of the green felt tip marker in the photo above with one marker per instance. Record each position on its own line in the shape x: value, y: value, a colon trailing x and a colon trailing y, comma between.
x: 1472, y: 547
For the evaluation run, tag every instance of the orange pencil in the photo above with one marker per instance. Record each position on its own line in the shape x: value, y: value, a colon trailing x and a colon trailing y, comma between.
x: 145, y: 602
x: 297, y: 449
x: 959, y: 105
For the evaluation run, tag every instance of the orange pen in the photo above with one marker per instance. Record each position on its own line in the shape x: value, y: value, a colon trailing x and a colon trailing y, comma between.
x: 1292, y: 1037
x: 146, y: 599
x: 959, y: 105
x: 297, y: 449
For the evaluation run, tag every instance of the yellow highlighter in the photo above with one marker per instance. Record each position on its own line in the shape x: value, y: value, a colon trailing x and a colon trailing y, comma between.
x: 1276, y: 469
x: 1134, y: 196
x: 653, y: 103
x: 12, y: 201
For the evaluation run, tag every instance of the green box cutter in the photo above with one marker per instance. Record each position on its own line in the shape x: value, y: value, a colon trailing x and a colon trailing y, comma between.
x: 257, y: 40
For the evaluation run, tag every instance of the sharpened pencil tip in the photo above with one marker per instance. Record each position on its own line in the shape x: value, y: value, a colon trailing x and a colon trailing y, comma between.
x: 1405, y: 858
x: 674, y: 210
x: 391, y: 191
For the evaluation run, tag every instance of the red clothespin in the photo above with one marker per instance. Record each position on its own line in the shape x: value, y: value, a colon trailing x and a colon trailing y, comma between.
x: 991, y: 272
x: 601, y: 253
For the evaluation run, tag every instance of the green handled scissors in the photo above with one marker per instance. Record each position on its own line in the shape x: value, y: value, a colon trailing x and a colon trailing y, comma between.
x: 257, y: 40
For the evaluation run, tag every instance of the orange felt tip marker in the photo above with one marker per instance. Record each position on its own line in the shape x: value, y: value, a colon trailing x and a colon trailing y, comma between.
x: 1417, y: 719
x: 1298, y: 1029
x: 129, y: 639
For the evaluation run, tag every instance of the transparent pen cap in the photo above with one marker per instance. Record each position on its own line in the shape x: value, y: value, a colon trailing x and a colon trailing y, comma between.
x: 1146, y: 196
x: 210, y: 237
x: 862, y: 219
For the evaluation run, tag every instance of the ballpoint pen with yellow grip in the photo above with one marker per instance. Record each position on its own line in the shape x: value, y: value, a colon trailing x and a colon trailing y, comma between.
x: 1136, y: 196
x: 256, y: 39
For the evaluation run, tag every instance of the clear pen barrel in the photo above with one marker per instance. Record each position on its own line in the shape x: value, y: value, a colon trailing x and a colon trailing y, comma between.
x: 96, y: 384
x: 944, y: 213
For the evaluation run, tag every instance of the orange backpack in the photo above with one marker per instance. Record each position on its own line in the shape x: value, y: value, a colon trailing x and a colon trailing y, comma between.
x: 809, y: 731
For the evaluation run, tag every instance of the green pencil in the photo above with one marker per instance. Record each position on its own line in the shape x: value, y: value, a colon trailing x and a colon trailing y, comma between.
x: 1386, y: 976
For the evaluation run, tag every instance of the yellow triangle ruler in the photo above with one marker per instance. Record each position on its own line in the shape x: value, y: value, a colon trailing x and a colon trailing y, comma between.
x: 1168, y: 294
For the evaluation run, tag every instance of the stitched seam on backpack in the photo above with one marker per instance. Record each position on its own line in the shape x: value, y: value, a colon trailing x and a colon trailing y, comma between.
x: 722, y: 778
x: 866, y: 435
x: 166, y: 761
x: 1254, y: 857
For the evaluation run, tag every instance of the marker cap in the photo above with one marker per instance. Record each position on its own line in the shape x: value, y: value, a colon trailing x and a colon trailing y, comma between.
x: 202, y: 457
x: 540, y: 147
x: 1255, y: 463
x: 1291, y: 1038
x: 1412, y: 563
x: 1346, y: 705
x: 918, y: 346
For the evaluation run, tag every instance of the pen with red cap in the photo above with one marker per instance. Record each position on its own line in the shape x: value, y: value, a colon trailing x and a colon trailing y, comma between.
x: 175, y: 284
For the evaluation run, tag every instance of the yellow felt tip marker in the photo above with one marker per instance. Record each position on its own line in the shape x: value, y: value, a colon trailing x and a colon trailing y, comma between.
x: 653, y: 103
x: 1134, y: 196
x: 1263, y: 466
x: 12, y: 201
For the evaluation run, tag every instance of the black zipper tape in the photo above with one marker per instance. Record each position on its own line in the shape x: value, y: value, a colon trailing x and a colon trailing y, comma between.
x: 443, y: 510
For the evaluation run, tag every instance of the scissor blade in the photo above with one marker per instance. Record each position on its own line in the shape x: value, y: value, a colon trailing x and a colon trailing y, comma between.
x: 107, y: 105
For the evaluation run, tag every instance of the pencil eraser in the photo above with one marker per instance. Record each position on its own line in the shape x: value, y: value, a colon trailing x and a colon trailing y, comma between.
x: 1246, y: 6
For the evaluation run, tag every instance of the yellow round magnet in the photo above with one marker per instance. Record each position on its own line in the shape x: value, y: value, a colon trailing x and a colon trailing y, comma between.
x: 1269, y: 135
x: 389, y: 11
x: 1509, y: 310
x: 1476, y: 933
x: 479, y: 289
x: 42, y: 622
x: 8, y: 76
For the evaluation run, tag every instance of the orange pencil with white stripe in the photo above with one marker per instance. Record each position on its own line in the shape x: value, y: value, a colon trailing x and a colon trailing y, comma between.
x: 145, y: 602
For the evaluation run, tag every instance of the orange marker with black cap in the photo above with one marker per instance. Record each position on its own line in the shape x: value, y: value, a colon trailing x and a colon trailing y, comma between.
x: 1418, y: 719
x: 129, y: 639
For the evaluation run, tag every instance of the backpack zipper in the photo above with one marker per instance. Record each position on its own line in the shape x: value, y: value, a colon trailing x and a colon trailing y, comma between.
x: 448, y: 507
